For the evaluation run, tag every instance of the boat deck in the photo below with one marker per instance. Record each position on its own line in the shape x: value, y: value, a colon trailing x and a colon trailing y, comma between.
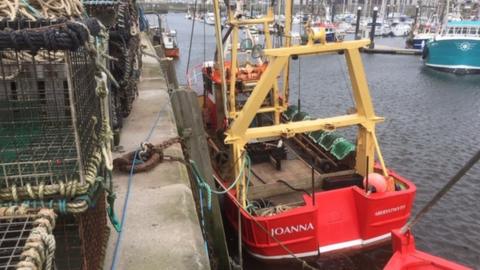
x: 295, y: 172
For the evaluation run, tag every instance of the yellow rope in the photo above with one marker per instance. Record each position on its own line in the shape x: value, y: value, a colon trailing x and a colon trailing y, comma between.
x: 40, y: 9
x: 39, y: 249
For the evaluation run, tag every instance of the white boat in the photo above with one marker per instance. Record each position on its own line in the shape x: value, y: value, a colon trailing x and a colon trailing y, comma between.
x: 381, y: 28
x: 209, y: 18
x: 421, y: 39
x: 170, y: 43
x: 400, y: 29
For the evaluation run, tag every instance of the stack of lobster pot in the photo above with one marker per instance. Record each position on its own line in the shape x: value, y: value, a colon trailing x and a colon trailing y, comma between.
x: 121, y: 17
x: 55, y: 134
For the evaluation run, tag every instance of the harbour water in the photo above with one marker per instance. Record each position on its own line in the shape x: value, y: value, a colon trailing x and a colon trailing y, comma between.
x: 432, y: 128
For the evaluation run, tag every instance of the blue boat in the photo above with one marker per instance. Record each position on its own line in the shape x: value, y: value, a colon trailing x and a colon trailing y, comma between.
x: 420, y: 40
x: 456, y: 48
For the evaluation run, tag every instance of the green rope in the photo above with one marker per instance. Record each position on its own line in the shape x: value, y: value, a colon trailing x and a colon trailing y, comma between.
x: 203, y: 185
x: 111, y: 197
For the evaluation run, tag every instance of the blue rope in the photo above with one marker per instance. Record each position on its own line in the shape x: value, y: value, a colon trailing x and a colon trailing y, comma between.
x: 127, y: 196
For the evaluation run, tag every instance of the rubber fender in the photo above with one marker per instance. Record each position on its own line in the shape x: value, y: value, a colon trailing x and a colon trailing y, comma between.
x: 425, y: 52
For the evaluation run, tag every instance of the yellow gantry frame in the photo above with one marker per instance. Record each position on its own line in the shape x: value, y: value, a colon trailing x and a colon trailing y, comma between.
x: 236, y: 23
x: 277, y: 108
x: 240, y: 133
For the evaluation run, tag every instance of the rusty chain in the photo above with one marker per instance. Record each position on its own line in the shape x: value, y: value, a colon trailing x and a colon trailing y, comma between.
x: 148, y: 156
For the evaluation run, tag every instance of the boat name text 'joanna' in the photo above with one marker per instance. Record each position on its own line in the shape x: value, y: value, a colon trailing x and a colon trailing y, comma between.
x: 292, y: 229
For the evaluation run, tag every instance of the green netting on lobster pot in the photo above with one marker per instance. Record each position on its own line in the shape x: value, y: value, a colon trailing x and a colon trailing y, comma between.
x: 300, y: 116
x: 341, y: 148
x: 15, y: 135
x: 316, y: 135
x: 328, y: 140
x: 291, y: 111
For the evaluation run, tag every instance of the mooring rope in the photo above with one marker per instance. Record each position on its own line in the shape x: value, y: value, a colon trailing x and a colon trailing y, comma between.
x: 191, y: 36
x: 128, y: 191
x: 442, y: 191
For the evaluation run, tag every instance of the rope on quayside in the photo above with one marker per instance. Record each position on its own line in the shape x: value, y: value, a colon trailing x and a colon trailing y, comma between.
x: 443, y: 191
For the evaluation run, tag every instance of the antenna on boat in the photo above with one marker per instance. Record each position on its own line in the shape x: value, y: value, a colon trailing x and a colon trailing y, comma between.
x: 220, y: 56
x: 366, y: 176
x: 313, y: 180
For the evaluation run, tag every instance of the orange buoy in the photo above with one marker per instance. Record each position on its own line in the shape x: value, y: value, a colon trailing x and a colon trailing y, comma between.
x: 377, y: 181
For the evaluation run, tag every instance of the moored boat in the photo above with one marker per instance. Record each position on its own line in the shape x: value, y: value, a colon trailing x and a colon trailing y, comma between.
x: 456, y: 49
x: 420, y: 40
x: 209, y: 18
x: 329, y: 28
x: 170, y: 43
x: 293, y: 185
x: 406, y: 256
x: 400, y: 29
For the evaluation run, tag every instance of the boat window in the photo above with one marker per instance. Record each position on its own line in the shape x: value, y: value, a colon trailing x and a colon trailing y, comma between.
x: 458, y: 30
x: 450, y: 30
x: 464, y: 30
x: 472, y: 31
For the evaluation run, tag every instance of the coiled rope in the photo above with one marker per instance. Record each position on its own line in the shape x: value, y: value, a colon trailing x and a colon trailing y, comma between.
x: 37, y: 9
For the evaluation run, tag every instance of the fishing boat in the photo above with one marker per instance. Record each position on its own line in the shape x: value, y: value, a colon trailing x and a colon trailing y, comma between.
x: 329, y: 28
x: 421, y: 39
x: 381, y: 28
x: 170, y: 43
x: 406, y: 256
x: 293, y: 185
x: 456, y: 48
x: 188, y: 15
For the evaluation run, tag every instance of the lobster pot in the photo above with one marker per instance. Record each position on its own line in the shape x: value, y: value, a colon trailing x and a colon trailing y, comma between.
x: 50, y: 116
x: 82, y: 238
x: 16, y: 231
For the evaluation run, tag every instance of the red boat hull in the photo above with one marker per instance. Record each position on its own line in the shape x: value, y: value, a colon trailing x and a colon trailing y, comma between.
x: 174, y: 53
x: 406, y: 257
x: 341, y: 220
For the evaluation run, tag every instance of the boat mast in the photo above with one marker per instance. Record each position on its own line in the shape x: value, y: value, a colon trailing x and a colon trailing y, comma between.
x: 220, y: 55
x: 447, y: 10
x: 288, y: 39
x: 236, y: 21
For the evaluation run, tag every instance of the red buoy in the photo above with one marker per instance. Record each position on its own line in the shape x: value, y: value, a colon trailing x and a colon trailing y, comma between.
x: 377, y: 181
